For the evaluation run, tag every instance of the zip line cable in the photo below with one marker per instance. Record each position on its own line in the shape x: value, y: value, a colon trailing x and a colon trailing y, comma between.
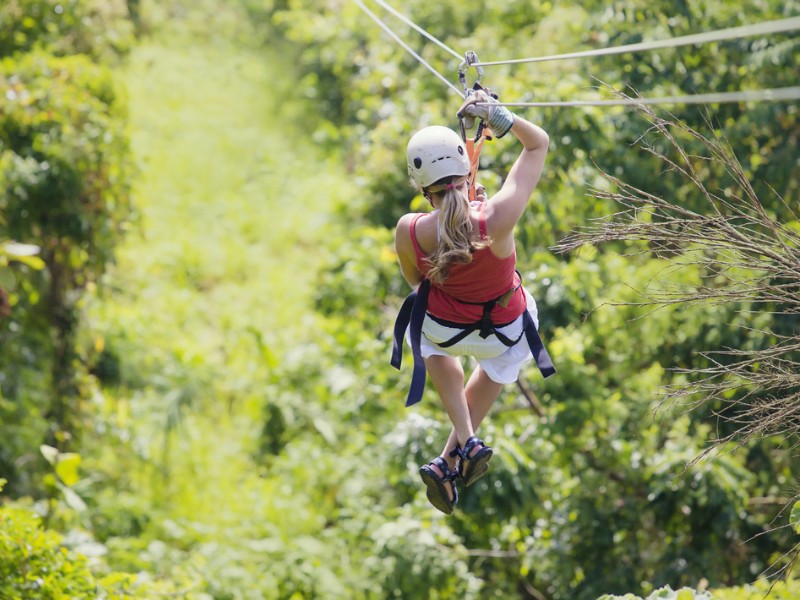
x: 767, y: 95
x: 779, y: 26
x: 411, y: 24
x: 764, y: 95
x: 407, y: 48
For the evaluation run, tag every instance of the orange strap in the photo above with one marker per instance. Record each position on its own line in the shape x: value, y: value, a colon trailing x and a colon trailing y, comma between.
x: 474, y: 153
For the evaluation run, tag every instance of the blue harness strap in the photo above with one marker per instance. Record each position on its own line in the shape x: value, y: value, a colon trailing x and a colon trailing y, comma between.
x: 412, y: 314
x: 540, y: 355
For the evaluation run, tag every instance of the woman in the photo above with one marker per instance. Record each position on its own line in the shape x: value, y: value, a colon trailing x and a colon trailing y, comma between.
x: 470, y: 301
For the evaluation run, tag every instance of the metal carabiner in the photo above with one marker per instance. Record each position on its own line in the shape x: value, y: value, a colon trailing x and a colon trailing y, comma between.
x: 470, y: 58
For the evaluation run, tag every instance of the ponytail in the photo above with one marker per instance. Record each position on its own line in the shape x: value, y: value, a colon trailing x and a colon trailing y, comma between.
x: 455, y: 241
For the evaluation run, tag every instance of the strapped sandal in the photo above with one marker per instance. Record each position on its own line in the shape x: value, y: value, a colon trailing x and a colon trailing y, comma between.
x: 478, y: 462
x: 437, y: 490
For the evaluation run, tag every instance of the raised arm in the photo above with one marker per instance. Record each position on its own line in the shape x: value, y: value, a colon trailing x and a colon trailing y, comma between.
x: 506, y: 207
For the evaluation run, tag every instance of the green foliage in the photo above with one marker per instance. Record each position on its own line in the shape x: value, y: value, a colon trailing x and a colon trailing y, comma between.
x: 64, y: 169
x: 358, y: 277
x: 97, y: 28
x: 762, y: 588
x: 774, y: 590
x: 247, y: 438
x: 64, y: 155
x: 665, y: 593
x: 36, y: 565
x: 374, y: 93
x: 794, y: 518
x: 33, y: 564
x: 604, y: 476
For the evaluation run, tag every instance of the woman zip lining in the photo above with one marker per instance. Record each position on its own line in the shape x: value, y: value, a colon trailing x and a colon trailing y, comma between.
x: 469, y: 299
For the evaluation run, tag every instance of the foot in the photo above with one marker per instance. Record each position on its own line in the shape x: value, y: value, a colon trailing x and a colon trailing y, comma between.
x: 448, y: 479
x: 474, y: 460
x: 440, y: 481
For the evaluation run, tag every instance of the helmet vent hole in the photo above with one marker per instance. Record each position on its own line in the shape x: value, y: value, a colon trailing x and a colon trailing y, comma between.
x: 417, y: 162
x: 461, y: 150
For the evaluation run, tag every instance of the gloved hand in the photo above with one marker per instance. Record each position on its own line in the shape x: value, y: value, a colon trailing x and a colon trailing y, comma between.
x: 481, y: 105
x: 480, y: 192
x: 469, y: 120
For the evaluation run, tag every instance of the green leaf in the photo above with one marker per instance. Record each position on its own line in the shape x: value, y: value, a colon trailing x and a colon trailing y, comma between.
x: 72, y: 499
x: 794, y: 517
x: 67, y: 468
x: 34, y: 262
x: 50, y: 454
x: 665, y: 593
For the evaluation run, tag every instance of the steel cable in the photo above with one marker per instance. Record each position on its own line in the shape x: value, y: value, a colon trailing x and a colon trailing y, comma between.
x: 767, y: 95
x: 411, y: 24
x: 768, y: 27
x: 407, y: 48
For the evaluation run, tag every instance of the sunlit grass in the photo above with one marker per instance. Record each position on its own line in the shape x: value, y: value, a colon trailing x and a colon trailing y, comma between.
x: 226, y: 195
x: 235, y: 209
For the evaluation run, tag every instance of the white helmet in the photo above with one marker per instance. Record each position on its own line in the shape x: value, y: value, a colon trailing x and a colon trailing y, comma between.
x: 434, y: 153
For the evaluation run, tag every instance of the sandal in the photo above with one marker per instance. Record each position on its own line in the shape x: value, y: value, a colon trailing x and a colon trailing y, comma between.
x: 478, y: 462
x: 437, y: 490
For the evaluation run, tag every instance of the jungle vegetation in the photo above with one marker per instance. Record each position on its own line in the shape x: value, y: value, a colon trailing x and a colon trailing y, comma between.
x: 198, y: 285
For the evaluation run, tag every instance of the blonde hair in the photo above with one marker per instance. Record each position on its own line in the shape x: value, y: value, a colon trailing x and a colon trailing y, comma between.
x: 455, y: 244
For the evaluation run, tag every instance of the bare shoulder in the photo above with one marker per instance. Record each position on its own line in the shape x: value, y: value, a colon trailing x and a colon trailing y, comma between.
x: 404, y: 222
x: 497, y: 221
x: 403, y: 230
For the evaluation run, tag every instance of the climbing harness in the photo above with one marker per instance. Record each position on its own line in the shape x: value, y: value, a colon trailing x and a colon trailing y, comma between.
x: 412, y: 314
x: 484, y: 325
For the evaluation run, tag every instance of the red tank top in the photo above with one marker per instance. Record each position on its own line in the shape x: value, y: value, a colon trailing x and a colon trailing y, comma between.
x: 486, y: 278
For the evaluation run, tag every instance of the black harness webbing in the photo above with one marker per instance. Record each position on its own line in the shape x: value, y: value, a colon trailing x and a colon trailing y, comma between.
x: 412, y: 314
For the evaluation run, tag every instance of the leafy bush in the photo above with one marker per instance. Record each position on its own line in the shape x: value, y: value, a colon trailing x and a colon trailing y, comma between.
x: 64, y: 170
x: 762, y: 589
x: 35, y: 564
x: 97, y: 28
x: 665, y: 593
x: 65, y: 154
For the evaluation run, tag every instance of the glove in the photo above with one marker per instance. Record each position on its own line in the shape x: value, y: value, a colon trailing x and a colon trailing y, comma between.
x: 469, y: 120
x: 479, y: 104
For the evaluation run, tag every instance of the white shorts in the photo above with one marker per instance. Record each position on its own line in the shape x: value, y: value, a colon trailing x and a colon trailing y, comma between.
x: 500, y: 362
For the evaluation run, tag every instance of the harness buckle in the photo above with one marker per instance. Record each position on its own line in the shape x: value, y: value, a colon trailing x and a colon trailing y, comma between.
x: 486, y: 325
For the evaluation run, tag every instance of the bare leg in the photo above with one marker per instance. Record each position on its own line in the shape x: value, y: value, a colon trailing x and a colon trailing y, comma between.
x: 481, y: 393
x: 447, y: 376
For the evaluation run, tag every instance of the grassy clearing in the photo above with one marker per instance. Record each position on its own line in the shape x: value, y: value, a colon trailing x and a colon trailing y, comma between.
x: 215, y: 283
x: 227, y: 197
